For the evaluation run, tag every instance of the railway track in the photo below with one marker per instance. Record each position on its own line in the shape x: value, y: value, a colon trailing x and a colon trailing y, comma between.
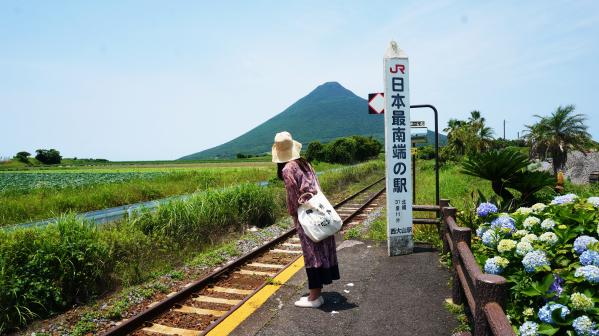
x: 203, y: 304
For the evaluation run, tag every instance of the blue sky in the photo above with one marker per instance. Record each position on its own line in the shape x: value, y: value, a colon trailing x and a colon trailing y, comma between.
x: 140, y: 80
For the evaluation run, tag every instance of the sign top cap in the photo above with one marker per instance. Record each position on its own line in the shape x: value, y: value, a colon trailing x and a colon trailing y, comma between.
x: 394, y: 52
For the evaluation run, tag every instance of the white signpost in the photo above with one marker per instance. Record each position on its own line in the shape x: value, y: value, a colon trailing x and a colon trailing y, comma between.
x: 398, y: 160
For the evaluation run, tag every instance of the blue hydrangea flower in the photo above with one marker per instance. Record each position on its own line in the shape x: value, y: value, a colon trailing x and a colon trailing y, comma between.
x: 485, y: 209
x: 589, y: 257
x: 534, y: 259
x: 495, y: 265
x: 564, y: 199
x: 584, y: 326
x: 529, y: 328
x: 490, y: 238
x: 504, y: 222
x: 589, y: 272
x: 481, y: 229
x: 546, y: 311
x: 582, y: 243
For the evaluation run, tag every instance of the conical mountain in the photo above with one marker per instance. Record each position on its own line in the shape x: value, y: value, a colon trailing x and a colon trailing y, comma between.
x: 329, y: 112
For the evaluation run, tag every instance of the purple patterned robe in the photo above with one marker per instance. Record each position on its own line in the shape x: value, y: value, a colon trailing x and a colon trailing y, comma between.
x: 299, y: 178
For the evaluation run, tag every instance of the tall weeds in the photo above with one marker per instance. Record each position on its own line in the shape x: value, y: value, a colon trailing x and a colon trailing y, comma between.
x: 333, y: 182
x: 45, y: 270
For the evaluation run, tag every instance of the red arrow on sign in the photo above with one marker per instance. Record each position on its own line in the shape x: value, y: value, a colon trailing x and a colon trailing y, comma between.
x: 376, y: 103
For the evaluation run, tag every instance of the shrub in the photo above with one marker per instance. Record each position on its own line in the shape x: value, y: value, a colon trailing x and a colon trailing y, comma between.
x: 549, y: 260
x: 507, y: 168
x: 44, y: 270
x: 23, y: 156
x: 48, y: 156
x: 344, y: 150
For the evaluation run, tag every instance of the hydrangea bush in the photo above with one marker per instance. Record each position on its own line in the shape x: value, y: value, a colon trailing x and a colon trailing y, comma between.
x: 549, y: 254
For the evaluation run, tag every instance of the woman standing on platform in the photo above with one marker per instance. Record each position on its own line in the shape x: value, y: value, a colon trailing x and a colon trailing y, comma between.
x: 320, y: 258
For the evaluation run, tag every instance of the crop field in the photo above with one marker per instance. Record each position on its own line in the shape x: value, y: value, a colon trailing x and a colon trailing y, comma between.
x: 55, y: 180
x: 35, y: 194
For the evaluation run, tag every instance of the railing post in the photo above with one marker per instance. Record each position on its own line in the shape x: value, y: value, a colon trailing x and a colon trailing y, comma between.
x: 444, y: 203
x: 457, y: 293
x: 488, y: 288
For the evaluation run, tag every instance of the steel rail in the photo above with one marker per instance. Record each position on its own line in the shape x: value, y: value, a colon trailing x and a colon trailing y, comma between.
x: 147, y: 315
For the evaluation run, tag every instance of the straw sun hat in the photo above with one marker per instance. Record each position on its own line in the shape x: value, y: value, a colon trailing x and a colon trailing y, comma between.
x: 285, y: 148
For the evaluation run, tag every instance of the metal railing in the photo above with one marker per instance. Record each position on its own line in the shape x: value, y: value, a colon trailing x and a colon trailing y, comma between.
x: 484, y: 294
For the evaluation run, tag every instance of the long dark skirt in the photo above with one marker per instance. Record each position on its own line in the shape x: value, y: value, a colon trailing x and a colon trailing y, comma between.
x: 320, y: 259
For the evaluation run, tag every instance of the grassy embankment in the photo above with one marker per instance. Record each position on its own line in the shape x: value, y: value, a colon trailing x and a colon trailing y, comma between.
x: 453, y: 185
x: 460, y: 189
x: 46, y: 270
x: 19, y: 204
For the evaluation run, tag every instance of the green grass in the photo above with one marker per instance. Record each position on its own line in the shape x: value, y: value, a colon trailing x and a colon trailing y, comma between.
x: 25, y: 205
x: 460, y: 315
x: 40, y: 194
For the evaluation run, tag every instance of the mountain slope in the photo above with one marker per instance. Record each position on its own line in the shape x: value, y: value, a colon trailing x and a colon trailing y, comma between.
x: 330, y: 111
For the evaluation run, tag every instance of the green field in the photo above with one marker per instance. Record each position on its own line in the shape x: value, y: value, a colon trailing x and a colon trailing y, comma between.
x: 34, y: 194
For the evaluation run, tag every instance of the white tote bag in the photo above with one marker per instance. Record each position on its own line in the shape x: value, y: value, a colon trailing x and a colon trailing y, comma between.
x: 318, y: 217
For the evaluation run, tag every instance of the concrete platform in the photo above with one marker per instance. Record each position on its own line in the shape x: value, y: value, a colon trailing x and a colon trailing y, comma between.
x: 400, y: 295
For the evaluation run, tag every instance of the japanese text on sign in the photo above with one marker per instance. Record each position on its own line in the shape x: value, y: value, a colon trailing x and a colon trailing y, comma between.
x: 398, y: 147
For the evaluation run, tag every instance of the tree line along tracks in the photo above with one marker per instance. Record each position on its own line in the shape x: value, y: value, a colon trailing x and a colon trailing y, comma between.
x: 202, y: 305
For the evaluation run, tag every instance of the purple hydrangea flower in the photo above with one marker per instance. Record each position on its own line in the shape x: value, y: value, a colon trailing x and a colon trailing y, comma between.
x: 556, y: 286
x: 484, y: 209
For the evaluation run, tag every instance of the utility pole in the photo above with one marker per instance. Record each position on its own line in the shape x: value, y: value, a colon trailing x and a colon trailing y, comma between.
x: 503, y: 129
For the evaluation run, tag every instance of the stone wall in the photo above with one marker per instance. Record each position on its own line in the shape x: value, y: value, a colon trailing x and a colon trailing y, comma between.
x: 579, y: 166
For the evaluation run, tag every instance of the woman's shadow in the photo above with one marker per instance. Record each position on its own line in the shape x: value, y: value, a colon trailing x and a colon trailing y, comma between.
x: 334, y: 301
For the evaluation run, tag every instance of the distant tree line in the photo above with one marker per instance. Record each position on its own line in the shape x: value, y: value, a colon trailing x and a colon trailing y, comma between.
x: 50, y: 156
x: 346, y: 150
x: 45, y: 156
x: 248, y: 156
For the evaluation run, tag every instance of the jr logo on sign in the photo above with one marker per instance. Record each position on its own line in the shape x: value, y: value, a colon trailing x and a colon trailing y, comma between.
x: 401, y: 68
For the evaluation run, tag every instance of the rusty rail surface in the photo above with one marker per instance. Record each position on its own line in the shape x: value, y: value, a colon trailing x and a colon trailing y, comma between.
x: 483, y: 294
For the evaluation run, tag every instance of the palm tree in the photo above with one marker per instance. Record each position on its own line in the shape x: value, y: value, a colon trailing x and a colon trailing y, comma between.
x: 483, y: 132
x: 558, y: 134
x: 475, y: 118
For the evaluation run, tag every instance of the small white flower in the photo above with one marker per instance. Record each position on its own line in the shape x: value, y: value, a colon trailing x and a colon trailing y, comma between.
x: 594, y: 201
x: 530, y: 222
x: 524, y: 211
x: 520, y: 233
x: 531, y: 237
x: 523, y: 247
x: 506, y: 245
x: 549, y: 238
x: 538, y: 207
x: 548, y: 224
